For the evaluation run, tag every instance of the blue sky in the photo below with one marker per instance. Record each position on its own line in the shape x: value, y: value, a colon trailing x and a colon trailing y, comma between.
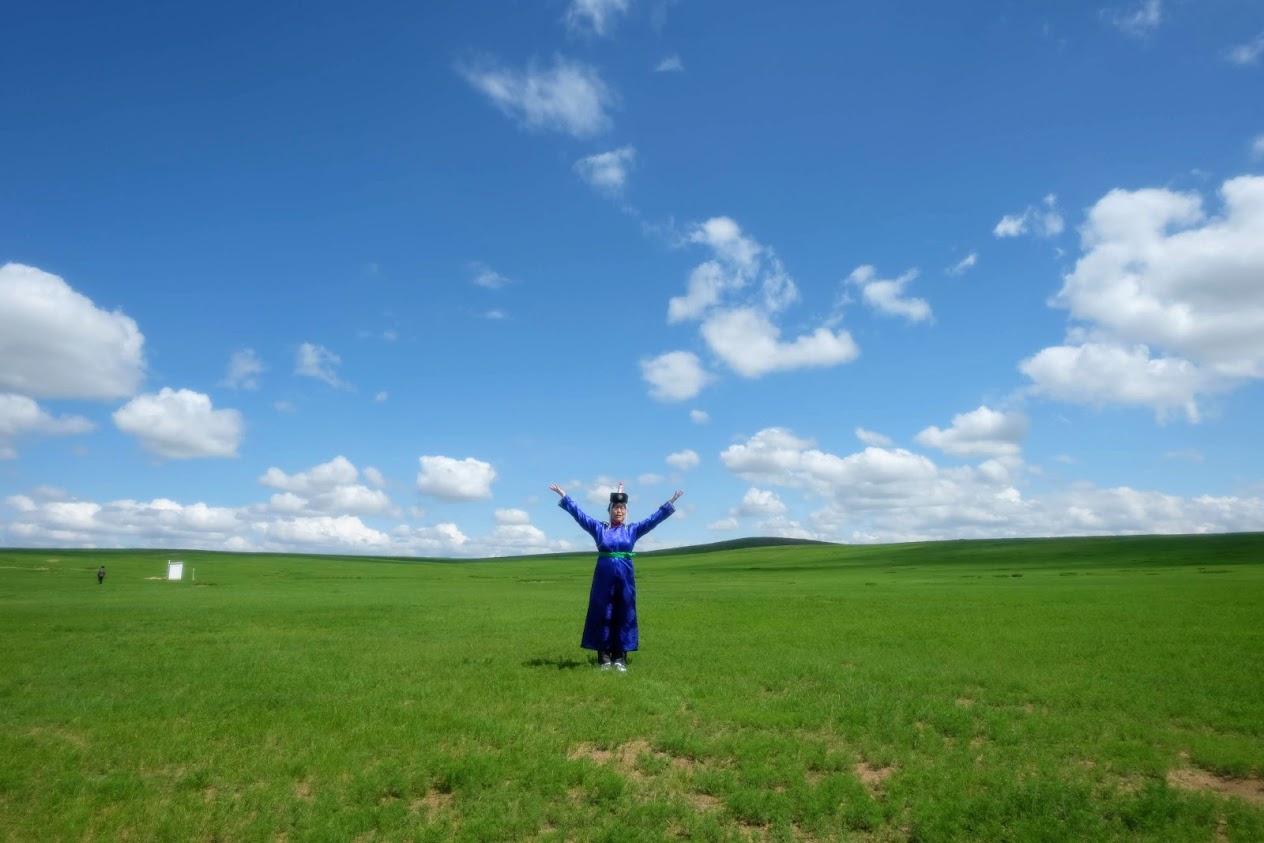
x: 318, y: 278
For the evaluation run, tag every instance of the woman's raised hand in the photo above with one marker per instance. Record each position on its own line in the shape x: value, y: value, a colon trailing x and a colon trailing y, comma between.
x: 674, y: 497
x: 557, y: 489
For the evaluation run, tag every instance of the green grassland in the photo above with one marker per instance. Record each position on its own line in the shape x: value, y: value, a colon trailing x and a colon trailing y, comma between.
x: 1068, y: 689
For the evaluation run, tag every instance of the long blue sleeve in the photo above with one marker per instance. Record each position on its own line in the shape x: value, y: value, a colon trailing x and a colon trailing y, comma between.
x: 591, y: 526
x: 640, y: 528
x: 619, y: 539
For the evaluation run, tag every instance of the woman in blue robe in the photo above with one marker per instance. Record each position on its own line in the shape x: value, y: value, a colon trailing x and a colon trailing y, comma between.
x: 610, y: 627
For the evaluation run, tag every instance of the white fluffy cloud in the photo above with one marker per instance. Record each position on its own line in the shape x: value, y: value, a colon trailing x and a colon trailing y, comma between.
x: 750, y: 344
x: 887, y: 296
x: 55, y: 343
x: 980, y: 433
x: 736, y: 294
x: 674, y: 376
x: 455, y: 480
x: 331, y: 487
x: 1043, y: 221
x: 885, y: 494
x: 1099, y: 374
x: 595, y: 16
x: 180, y: 424
x: 684, y: 460
x: 21, y: 416
x: 699, y: 416
x: 607, y: 172
x: 323, y: 531
x: 760, y: 502
x: 123, y: 523
x: 669, y: 65
x: 567, y: 97
x: 49, y: 517
x: 316, y: 361
x: 1166, y: 301
x: 244, y: 368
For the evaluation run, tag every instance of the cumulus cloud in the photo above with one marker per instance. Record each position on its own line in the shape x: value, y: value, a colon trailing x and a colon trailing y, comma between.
x: 607, y: 172
x: 887, y: 296
x: 735, y: 296
x: 1257, y: 147
x: 22, y: 416
x: 724, y: 525
x: 244, y: 368
x: 1165, y: 301
x: 699, y: 416
x: 1139, y: 20
x: 891, y: 494
x: 455, y: 480
x: 55, y: 343
x: 597, y: 17
x: 684, y: 460
x: 568, y: 97
x: 50, y: 517
x: 1246, y: 54
x: 671, y: 64
x: 980, y: 433
x: 316, y: 361
x: 180, y: 424
x: 674, y: 376
x: 1044, y: 220
x: 1098, y: 374
x: 750, y: 344
x: 760, y: 502
x: 322, y: 531
x: 331, y: 487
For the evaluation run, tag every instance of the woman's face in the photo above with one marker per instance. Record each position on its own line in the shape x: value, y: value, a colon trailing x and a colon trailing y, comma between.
x: 618, y: 512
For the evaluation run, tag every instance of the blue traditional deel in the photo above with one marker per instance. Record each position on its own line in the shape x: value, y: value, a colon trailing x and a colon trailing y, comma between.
x: 611, y: 622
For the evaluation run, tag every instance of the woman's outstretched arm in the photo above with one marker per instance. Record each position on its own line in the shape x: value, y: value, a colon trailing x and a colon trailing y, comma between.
x: 590, y: 525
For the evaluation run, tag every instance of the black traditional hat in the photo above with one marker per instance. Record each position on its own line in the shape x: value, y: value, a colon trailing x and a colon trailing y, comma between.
x: 618, y: 497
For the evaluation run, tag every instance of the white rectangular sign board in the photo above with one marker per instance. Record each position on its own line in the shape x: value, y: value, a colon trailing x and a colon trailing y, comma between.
x: 175, y: 570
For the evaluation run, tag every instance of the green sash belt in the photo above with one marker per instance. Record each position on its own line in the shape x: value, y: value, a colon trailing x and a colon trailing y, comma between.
x: 616, y: 554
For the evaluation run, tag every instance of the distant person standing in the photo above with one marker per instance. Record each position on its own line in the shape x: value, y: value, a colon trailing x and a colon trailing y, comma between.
x: 100, y: 575
x: 611, y: 628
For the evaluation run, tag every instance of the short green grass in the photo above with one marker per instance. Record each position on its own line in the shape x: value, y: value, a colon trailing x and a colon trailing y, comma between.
x: 1000, y: 690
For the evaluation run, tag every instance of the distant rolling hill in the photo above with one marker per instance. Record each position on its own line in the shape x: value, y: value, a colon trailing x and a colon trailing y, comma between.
x: 731, y: 544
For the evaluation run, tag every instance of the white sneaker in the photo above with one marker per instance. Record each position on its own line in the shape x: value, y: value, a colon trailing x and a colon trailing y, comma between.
x: 605, y: 665
x: 620, y: 666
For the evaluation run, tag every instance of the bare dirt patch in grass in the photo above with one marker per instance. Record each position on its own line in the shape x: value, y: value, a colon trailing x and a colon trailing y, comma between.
x: 625, y: 756
x: 303, y: 791
x: 873, y: 777
x: 433, y: 802
x: 704, y: 801
x: 1192, y: 778
x: 965, y: 702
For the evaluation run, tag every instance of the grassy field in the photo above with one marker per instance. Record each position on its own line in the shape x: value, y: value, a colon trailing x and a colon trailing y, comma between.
x: 1072, y: 689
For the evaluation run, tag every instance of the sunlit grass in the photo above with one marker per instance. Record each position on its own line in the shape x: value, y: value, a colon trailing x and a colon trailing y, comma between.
x: 1036, y: 690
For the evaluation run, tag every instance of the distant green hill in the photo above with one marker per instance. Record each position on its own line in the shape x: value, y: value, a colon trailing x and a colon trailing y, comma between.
x: 731, y: 544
